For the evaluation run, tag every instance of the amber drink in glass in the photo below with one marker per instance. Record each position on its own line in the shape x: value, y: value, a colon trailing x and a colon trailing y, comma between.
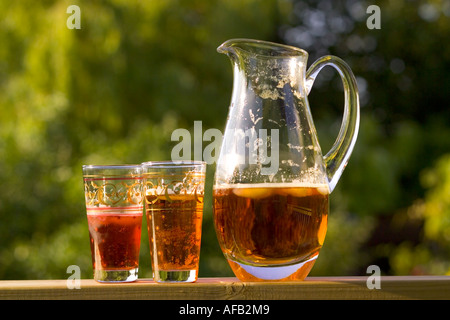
x: 174, y: 210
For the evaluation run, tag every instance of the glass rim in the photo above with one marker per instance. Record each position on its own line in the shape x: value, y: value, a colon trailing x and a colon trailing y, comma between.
x: 112, y: 171
x: 267, y: 47
x: 111, y: 166
x: 174, y: 164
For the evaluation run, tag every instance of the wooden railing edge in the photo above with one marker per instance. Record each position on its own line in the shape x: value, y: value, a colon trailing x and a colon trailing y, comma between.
x: 313, y: 288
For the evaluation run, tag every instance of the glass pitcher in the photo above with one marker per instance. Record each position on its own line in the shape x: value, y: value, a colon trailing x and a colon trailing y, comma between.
x: 272, y: 184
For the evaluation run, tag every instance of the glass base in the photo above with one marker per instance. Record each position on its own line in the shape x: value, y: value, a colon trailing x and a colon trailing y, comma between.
x: 116, y: 275
x: 294, y: 272
x: 175, y: 276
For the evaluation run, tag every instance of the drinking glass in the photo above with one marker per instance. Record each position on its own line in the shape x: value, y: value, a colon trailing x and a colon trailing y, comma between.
x: 174, y: 210
x: 114, y: 206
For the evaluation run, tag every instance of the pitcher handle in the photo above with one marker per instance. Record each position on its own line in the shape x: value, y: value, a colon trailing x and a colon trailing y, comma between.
x: 337, y: 158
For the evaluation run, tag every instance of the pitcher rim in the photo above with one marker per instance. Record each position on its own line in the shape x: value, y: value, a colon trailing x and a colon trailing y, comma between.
x: 289, y: 51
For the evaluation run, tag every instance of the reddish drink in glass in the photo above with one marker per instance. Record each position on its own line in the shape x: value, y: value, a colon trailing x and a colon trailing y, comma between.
x: 115, y: 240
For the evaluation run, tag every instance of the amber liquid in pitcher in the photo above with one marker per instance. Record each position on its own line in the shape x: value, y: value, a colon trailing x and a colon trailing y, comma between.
x: 263, y: 227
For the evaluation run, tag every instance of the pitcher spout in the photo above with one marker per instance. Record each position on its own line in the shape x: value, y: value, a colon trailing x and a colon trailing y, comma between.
x: 266, y: 70
x: 231, y: 48
x: 260, y: 48
x: 226, y: 47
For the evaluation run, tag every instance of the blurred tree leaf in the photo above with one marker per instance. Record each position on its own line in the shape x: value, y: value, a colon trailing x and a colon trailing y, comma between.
x: 110, y: 92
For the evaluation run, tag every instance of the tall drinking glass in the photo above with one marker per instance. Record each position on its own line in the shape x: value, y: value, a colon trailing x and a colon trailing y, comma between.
x: 174, y: 209
x: 114, y: 206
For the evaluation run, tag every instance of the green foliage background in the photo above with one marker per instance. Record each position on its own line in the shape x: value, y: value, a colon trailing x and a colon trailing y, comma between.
x: 113, y: 92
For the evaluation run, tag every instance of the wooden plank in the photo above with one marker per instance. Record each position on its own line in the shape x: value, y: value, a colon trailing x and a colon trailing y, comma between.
x: 315, y: 288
